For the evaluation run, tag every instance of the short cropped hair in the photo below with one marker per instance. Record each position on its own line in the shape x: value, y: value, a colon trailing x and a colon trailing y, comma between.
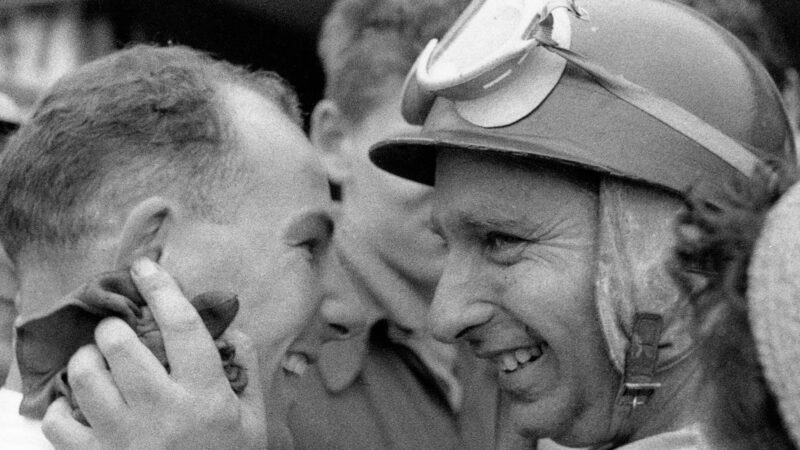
x: 365, y: 43
x: 140, y: 121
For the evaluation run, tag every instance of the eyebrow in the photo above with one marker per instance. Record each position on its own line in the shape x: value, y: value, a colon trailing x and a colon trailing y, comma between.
x: 490, y: 218
x: 503, y: 223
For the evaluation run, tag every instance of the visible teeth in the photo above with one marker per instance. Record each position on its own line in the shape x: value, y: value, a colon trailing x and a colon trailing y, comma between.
x: 295, y: 363
x: 513, y: 360
x: 509, y: 363
x: 522, y: 355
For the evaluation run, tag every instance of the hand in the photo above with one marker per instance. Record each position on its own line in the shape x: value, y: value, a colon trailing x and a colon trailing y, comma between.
x: 132, y: 402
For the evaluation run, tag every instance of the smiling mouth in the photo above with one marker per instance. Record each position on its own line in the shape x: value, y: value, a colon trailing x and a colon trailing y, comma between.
x: 513, y: 360
x: 295, y: 364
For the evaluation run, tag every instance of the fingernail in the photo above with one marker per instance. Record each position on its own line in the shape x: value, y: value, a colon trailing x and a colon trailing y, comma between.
x: 143, y: 267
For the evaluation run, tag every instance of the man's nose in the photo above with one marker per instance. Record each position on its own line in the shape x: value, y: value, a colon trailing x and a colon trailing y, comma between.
x: 343, y: 312
x: 461, y: 300
x: 344, y: 317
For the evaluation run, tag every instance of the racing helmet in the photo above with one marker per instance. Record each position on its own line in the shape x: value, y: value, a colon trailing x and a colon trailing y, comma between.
x: 647, y: 90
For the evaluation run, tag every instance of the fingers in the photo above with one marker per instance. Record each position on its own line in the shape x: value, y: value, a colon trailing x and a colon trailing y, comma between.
x: 190, y: 350
x: 93, y: 387
x: 63, y: 431
x: 247, y: 358
x: 136, y: 371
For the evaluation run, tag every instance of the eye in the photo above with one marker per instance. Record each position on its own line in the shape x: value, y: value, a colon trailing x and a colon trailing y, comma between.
x: 505, y: 248
x: 310, y: 234
x: 438, y: 233
x: 318, y: 242
x: 500, y: 241
x: 310, y: 246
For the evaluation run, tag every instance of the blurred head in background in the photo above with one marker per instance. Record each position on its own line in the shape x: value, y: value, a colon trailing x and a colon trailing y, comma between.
x: 367, y: 48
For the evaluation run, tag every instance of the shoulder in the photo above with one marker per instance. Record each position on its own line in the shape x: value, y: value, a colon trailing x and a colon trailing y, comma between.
x: 17, y: 431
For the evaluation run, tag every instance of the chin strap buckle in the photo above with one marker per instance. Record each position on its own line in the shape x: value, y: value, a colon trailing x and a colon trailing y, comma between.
x: 641, y: 360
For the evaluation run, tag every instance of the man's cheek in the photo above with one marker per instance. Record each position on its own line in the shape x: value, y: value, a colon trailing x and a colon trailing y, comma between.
x: 303, y: 295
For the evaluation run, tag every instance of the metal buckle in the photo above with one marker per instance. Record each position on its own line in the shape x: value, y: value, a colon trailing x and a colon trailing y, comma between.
x: 641, y: 359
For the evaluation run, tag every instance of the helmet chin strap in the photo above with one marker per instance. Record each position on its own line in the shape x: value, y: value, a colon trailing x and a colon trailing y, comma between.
x: 641, y: 359
x: 638, y: 380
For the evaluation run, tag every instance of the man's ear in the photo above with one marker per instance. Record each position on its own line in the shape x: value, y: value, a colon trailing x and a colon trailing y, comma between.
x: 145, y: 231
x: 329, y: 134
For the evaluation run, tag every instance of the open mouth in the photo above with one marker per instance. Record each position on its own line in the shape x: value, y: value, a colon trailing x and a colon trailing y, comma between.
x: 295, y: 364
x: 511, y: 361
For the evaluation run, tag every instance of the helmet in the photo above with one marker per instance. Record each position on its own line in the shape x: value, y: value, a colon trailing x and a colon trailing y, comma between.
x: 689, y: 101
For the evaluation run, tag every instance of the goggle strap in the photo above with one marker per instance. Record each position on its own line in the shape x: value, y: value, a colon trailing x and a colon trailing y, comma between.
x: 681, y: 120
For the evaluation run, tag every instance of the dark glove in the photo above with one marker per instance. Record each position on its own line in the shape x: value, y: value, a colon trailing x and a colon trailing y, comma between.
x: 46, y: 342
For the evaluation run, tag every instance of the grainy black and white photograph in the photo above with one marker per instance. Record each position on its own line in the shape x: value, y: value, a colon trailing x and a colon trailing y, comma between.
x: 399, y: 224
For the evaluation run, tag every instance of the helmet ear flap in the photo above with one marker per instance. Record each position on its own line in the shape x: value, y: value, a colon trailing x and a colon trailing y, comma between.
x: 417, y: 101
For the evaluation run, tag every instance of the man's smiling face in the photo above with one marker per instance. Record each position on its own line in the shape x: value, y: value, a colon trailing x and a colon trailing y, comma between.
x: 518, y: 287
x: 273, y: 252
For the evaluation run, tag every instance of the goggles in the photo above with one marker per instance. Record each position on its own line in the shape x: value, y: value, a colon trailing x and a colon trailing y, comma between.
x: 502, y: 58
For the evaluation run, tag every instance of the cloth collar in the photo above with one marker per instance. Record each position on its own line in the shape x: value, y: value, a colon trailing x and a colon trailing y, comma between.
x: 438, y: 357
x: 373, y: 281
x: 341, y: 362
